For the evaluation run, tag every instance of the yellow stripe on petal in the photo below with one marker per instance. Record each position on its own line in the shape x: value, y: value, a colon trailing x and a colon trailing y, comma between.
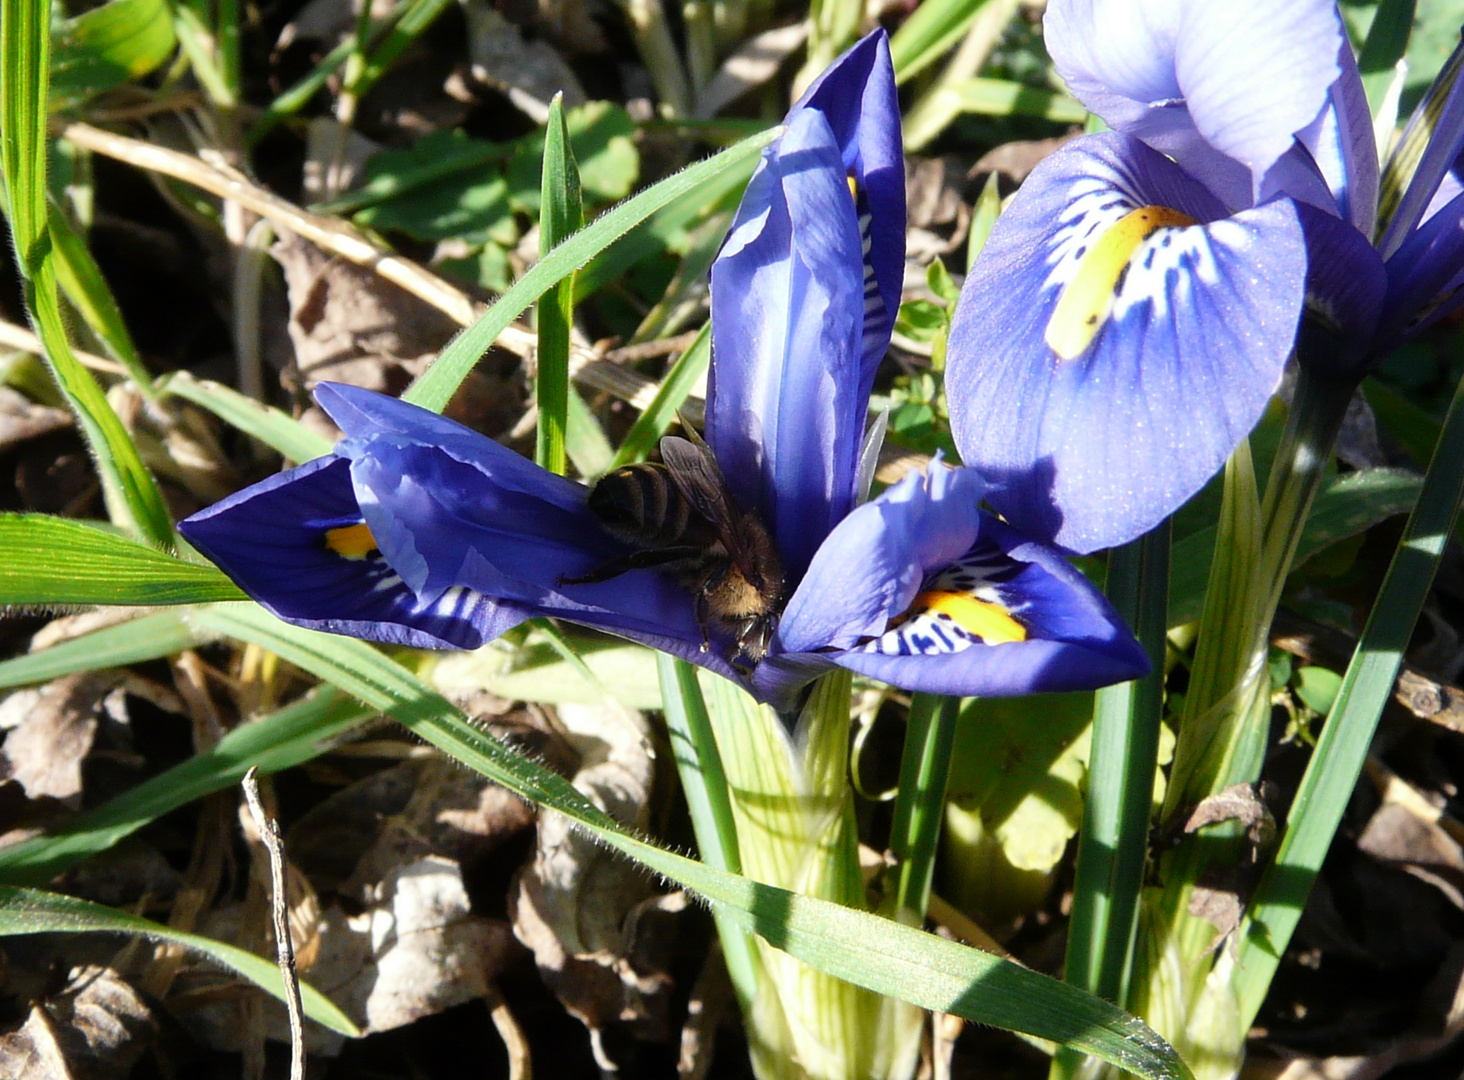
x: 990, y: 622
x: 1087, y: 300
x: 351, y: 541
x: 854, y: 187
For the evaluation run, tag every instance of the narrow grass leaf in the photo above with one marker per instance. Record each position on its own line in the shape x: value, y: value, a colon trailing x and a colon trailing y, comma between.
x: 81, y: 280
x: 875, y: 953
x: 932, y: 30
x: 1122, y: 765
x: 31, y: 911
x: 561, y: 214
x: 437, y: 385
x: 925, y: 768
x: 704, y: 783
x: 1326, y: 787
x: 131, y: 491
x: 690, y: 368
x: 147, y: 637
x: 295, y: 734
x: 276, y: 429
x: 51, y: 562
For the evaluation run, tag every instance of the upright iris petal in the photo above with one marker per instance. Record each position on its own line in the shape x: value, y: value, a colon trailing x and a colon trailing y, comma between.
x: 420, y: 531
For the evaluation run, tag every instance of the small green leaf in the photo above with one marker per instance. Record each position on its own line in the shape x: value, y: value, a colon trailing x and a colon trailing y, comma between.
x: 30, y: 911
x: 108, y: 45
x: 445, y: 187
x: 1317, y: 687
x: 53, y: 561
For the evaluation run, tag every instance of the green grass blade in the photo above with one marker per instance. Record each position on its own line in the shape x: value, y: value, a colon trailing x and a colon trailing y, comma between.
x: 920, y: 805
x: 416, y: 18
x: 868, y: 951
x: 291, y: 736
x: 1121, y: 769
x: 437, y: 385
x: 1337, y: 761
x: 148, y: 637
x: 561, y: 214
x: 24, y: 49
x: 30, y: 911
x: 660, y: 414
x: 81, y: 280
x: 51, y: 561
x: 269, y: 425
x: 931, y: 31
x: 704, y: 782
x: 986, y: 97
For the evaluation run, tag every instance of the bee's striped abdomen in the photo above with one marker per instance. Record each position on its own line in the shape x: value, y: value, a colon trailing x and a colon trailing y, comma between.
x: 640, y: 503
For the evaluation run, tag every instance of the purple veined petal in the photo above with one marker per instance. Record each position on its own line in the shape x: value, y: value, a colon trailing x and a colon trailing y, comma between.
x: 272, y: 540
x: 362, y: 414
x: 1172, y: 356
x: 784, y: 409
x: 1202, y: 82
x: 1443, y: 109
x: 445, y: 523
x: 857, y: 96
x: 1042, y: 627
x: 1425, y: 277
x: 1337, y: 148
x: 1345, y: 289
x: 873, y: 563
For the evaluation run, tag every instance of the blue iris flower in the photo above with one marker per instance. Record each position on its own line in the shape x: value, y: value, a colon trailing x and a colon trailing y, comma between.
x: 418, y: 531
x: 1133, y: 309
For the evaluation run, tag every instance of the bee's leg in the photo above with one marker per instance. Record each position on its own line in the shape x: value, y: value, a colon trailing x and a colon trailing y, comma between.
x: 649, y: 559
x: 703, y: 615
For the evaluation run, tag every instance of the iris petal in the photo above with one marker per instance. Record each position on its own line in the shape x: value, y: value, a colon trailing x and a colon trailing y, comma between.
x: 1202, y: 83
x: 1092, y: 451
x: 857, y: 96
x: 271, y: 539
x: 784, y: 411
x: 452, y: 508
x: 872, y: 564
x: 1075, y: 640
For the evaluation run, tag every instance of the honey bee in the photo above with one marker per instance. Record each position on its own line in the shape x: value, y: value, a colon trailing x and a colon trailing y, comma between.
x: 684, y: 521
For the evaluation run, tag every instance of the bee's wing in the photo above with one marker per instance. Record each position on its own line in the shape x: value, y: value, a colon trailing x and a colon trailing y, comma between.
x: 696, y: 474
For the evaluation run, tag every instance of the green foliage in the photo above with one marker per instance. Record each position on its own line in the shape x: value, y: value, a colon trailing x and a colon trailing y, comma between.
x: 106, y: 46
x: 51, y: 561
x: 30, y: 911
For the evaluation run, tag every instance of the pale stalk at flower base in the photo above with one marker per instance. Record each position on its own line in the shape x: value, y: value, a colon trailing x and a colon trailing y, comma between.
x: 796, y: 829
x: 1182, y: 986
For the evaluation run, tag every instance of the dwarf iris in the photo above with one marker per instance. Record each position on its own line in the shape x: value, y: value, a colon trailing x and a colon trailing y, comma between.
x: 419, y: 531
x: 1132, y: 311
